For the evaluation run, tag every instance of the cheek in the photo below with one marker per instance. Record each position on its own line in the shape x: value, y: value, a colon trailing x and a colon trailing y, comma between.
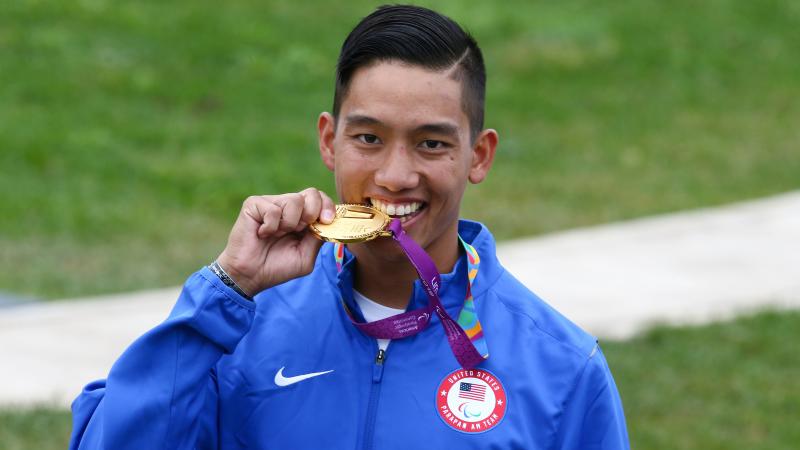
x: 353, y: 159
x: 352, y: 172
x: 451, y: 174
x: 449, y: 184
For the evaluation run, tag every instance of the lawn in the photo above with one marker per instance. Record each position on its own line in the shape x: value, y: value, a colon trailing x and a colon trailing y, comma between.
x: 730, y: 386
x: 130, y: 132
x: 39, y: 428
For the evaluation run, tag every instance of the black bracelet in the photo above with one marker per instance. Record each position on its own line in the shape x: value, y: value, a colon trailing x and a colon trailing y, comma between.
x: 226, y: 279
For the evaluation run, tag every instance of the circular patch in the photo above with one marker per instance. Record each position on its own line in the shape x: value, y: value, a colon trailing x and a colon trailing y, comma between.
x: 471, y: 400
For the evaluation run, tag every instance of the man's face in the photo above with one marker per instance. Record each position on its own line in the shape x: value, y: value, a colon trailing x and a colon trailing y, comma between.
x: 402, y: 144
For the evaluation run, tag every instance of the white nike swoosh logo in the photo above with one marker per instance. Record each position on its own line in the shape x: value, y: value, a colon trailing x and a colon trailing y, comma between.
x: 281, y: 380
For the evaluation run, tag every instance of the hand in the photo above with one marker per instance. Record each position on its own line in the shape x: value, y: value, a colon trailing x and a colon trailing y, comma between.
x: 270, y: 242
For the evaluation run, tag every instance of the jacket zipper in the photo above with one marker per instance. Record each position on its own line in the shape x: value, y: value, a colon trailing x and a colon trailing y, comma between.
x: 374, y: 394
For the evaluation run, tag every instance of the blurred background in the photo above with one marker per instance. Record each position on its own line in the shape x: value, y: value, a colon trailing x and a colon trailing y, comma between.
x: 130, y: 133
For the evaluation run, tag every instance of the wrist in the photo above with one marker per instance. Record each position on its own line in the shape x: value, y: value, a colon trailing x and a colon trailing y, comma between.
x: 225, y: 276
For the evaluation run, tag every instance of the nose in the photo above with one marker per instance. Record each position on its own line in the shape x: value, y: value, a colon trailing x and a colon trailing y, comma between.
x: 397, y: 170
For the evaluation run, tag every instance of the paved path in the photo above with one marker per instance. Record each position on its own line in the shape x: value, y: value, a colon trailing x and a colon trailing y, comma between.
x: 690, y: 267
x: 613, y: 280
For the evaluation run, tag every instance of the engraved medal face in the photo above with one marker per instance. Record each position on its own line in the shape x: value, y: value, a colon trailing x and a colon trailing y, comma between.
x: 353, y: 223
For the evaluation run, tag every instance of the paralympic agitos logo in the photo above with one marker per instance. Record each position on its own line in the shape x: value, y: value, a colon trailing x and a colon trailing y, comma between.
x: 471, y: 400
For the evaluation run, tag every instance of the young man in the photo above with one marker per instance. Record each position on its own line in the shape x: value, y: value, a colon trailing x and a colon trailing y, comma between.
x: 292, y: 368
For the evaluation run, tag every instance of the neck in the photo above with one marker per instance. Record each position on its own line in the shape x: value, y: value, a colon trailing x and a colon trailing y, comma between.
x: 384, y: 274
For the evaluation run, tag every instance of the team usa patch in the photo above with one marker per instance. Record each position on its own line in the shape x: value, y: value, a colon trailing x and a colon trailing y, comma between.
x: 471, y: 400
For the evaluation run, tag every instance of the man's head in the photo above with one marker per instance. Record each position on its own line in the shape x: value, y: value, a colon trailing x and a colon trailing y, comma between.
x: 419, y: 37
x: 406, y: 134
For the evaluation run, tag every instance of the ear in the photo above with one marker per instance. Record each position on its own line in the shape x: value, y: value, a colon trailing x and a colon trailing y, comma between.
x: 483, y: 155
x: 326, y: 127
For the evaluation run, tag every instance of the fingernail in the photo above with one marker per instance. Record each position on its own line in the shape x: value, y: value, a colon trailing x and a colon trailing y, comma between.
x: 327, y: 216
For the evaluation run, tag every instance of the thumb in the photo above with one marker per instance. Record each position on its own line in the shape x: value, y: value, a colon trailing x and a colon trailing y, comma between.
x: 309, y: 248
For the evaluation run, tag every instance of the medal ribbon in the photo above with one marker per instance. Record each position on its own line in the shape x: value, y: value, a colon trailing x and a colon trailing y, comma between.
x: 465, y: 336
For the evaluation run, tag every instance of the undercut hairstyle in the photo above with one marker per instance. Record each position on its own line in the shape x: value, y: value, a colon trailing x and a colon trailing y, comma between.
x: 420, y: 37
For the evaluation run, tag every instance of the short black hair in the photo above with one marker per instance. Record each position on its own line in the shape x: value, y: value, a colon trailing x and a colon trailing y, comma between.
x: 416, y: 36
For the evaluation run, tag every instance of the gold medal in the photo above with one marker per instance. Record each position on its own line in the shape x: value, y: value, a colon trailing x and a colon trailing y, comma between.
x: 353, y: 223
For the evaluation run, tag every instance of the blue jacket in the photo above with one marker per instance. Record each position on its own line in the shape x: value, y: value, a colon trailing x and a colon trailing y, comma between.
x: 206, y: 377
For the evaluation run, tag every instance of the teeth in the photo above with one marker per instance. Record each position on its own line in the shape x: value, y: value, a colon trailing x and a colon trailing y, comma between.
x: 398, y: 210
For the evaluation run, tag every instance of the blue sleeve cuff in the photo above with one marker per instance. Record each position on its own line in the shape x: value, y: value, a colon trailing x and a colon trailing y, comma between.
x: 225, y: 290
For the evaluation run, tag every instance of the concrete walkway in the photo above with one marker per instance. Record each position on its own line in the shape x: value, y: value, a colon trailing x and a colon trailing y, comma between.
x: 689, y: 267
x: 613, y: 280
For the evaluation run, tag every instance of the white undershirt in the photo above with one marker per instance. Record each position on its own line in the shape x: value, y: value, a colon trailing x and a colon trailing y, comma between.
x: 375, y: 311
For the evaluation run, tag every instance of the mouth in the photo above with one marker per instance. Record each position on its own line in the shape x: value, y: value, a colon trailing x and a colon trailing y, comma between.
x: 403, y: 211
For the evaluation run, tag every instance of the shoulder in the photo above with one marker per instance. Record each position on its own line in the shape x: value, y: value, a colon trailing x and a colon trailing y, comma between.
x: 530, y: 342
x: 593, y: 415
x: 545, y: 321
x: 503, y: 298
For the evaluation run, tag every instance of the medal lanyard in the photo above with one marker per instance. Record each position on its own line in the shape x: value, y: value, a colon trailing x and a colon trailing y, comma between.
x: 465, y: 336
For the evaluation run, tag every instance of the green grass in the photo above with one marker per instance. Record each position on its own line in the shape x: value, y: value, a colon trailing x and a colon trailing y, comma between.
x: 39, y: 428
x: 131, y: 132
x: 733, y: 385
x: 725, y: 386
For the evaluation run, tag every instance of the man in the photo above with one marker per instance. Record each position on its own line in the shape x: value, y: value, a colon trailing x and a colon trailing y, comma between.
x: 291, y: 368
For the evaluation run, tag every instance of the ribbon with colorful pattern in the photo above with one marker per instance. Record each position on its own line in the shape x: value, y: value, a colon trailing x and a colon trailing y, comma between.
x: 465, y: 336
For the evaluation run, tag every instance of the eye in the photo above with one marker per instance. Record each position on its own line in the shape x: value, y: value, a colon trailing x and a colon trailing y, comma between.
x: 430, y: 144
x: 368, y: 138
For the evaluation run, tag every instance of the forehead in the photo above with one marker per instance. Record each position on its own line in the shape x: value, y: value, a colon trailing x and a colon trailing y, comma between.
x: 396, y: 92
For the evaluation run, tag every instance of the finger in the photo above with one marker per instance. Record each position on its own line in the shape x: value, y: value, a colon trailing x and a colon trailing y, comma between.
x: 249, y: 218
x: 270, y: 216
x: 263, y: 212
x: 328, y: 208
x: 292, y: 205
x: 313, y: 203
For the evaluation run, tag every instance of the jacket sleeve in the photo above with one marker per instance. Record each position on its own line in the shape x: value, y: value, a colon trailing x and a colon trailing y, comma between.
x: 593, y: 416
x: 161, y: 393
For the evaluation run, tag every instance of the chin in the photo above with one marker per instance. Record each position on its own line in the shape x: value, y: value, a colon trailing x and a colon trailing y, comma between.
x: 384, y: 248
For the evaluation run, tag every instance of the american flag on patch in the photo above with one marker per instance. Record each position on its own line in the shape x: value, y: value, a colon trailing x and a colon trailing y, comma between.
x: 472, y: 391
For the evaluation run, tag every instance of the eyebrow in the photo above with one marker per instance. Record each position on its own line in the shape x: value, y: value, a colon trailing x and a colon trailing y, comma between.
x: 358, y: 119
x: 442, y: 128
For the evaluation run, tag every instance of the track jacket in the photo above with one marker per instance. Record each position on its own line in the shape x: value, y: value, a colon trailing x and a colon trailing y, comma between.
x: 290, y: 371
